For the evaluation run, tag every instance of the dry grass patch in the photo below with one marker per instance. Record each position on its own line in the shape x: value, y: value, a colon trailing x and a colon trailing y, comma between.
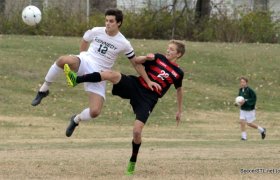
x: 204, y: 146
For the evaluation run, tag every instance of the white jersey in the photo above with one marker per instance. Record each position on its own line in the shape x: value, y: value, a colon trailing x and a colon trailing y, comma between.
x: 104, y: 49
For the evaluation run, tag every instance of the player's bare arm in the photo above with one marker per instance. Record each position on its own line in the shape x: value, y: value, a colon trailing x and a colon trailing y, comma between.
x: 84, y: 45
x: 142, y: 59
x: 141, y: 71
x: 179, y: 104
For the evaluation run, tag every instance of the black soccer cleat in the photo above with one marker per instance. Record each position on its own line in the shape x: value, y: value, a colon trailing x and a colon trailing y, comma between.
x: 40, y: 95
x: 71, y: 127
x: 263, y: 134
x: 243, y: 139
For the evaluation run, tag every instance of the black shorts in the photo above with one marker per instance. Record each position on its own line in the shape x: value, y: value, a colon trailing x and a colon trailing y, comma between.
x: 142, y: 100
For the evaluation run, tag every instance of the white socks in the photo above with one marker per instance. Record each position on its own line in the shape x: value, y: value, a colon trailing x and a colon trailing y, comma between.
x: 52, y: 74
x: 260, y: 129
x: 83, y: 116
x: 45, y: 86
x: 244, y: 135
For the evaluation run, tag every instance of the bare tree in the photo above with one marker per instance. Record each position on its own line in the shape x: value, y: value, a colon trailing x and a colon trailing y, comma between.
x: 260, y: 5
x: 202, y: 10
x: 176, y: 18
x: 102, y: 5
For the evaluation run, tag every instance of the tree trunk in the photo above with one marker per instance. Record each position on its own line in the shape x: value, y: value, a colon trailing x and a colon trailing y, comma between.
x: 176, y: 18
x: 260, y: 5
x: 102, y: 5
x: 202, y: 10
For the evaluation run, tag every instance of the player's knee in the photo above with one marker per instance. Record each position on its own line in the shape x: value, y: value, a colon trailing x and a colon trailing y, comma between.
x: 137, y: 134
x: 112, y: 76
x: 249, y: 124
x: 94, y: 113
x: 61, y: 61
x: 242, y: 122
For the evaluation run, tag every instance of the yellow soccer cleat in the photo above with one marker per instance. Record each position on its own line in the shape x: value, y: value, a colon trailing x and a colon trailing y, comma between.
x: 71, y: 76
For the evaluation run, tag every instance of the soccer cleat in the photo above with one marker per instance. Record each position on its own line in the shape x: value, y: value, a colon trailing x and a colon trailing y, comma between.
x: 71, y: 76
x: 39, y: 97
x: 263, y: 134
x: 243, y: 139
x: 130, y: 168
x: 71, y: 127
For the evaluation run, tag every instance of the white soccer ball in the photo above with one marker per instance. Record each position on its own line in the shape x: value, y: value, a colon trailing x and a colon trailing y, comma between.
x: 31, y: 15
x: 238, y: 100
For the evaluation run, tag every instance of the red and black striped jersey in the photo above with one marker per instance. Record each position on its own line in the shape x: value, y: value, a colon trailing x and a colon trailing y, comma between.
x: 163, y: 72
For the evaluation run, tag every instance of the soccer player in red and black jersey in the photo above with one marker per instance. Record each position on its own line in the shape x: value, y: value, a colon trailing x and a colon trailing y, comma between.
x: 162, y: 69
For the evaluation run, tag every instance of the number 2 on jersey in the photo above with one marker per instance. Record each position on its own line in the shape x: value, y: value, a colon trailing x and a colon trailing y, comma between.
x: 102, y: 49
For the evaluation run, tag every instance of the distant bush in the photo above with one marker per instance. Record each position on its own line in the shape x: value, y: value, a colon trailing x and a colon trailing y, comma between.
x: 155, y: 24
x: 249, y: 27
x: 54, y: 22
x: 259, y: 27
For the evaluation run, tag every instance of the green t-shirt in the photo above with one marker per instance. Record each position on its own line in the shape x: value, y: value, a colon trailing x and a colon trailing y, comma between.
x: 250, y: 98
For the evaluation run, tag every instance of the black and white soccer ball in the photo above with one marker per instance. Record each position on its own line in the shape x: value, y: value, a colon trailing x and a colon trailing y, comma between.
x: 31, y: 15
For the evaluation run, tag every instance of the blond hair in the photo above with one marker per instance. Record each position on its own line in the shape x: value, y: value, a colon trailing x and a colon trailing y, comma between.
x: 180, y: 46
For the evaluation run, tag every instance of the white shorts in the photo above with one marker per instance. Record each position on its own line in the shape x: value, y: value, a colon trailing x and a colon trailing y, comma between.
x: 248, y: 116
x: 87, y: 65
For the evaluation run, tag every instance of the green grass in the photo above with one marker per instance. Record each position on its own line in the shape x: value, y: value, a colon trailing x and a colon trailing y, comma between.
x: 211, y: 78
x: 206, y: 145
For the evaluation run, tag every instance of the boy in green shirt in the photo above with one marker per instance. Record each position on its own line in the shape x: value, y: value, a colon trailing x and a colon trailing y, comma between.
x: 247, y: 109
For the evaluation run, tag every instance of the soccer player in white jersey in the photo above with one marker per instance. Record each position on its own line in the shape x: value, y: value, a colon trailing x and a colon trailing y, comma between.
x: 99, y: 49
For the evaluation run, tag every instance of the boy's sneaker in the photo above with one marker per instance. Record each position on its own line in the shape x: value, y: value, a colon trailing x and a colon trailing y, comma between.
x: 263, y: 134
x: 71, y: 127
x: 71, y: 76
x: 40, y: 95
x: 130, y: 168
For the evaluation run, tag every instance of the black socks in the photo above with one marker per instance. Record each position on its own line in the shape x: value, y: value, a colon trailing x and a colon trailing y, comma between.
x: 135, y: 150
x: 93, y: 77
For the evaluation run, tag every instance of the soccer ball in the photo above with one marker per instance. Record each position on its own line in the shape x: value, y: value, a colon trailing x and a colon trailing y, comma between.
x: 238, y: 100
x: 31, y: 15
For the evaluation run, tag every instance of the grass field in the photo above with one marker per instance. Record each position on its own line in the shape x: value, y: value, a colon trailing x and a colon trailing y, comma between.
x: 205, y: 146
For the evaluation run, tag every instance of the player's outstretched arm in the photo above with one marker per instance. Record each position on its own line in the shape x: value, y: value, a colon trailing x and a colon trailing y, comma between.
x: 142, y: 59
x: 179, y: 104
x: 141, y: 71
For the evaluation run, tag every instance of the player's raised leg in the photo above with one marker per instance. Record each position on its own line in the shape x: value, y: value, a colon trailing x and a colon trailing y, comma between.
x: 72, y: 78
x: 95, y: 106
x: 136, y: 143
x: 55, y: 70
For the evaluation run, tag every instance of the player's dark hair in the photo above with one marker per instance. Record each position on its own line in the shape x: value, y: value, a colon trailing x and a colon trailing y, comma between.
x: 180, y: 46
x: 115, y: 12
x: 244, y: 78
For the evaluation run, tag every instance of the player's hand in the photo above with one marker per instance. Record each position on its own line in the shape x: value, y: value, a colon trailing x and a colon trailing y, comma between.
x: 178, y: 117
x: 150, y: 56
x: 241, y: 103
x: 154, y: 86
